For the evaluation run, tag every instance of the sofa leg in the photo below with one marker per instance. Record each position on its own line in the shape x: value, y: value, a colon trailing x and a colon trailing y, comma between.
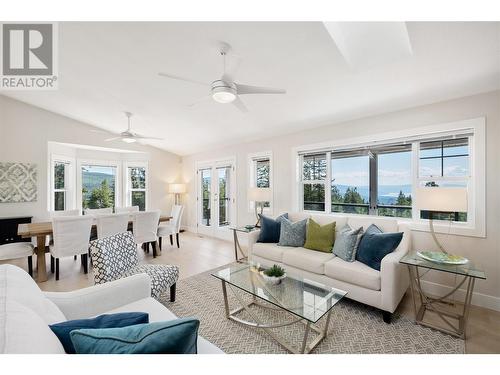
x: 387, y: 316
x: 172, y: 293
x: 30, y: 265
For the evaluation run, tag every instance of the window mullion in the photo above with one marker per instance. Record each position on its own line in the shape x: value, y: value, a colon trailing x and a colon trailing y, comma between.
x: 373, y: 210
x: 328, y: 183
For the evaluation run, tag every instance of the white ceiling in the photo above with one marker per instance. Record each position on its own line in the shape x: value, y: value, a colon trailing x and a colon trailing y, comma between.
x: 108, y: 68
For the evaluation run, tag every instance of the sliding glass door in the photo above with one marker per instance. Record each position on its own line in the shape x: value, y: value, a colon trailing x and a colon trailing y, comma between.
x: 215, y: 197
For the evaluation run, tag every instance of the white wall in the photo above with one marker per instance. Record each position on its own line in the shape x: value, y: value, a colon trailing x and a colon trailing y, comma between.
x: 485, y: 252
x: 25, y: 131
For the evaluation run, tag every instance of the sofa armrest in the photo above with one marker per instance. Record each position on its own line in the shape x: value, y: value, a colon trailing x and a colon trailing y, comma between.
x: 98, y: 299
x: 393, y: 275
x: 252, y: 240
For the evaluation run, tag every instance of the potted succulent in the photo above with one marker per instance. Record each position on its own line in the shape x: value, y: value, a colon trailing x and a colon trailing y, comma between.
x: 274, y: 275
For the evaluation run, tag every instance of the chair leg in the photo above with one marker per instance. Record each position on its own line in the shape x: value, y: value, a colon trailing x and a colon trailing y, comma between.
x: 30, y: 265
x: 172, y: 293
x: 57, y: 268
x: 177, y: 239
x: 52, y: 263
x: 159, y: 242
x: 74, y: 258
x: 153, y: 244
x: 85, y: 263
x: 171, y: 240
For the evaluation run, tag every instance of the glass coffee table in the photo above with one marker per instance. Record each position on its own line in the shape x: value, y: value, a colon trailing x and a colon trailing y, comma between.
x: 305, y: 301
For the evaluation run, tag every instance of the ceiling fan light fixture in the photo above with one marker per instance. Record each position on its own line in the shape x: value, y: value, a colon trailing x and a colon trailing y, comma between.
x: 223, y: 97
x: 128, y: 140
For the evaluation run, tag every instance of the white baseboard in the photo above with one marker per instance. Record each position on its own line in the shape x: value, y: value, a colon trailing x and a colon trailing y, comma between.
x: 478, y: 299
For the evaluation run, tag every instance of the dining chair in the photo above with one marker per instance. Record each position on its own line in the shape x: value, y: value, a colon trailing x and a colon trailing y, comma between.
x: 17, y: 250
x: 129, y: 209
x: 52, y: 214
x: 116, y: 257
x: 107, y: 225
x: 100, y: 211
x: 145, y: 227
x: 172, y: 227
x: 71, y: 237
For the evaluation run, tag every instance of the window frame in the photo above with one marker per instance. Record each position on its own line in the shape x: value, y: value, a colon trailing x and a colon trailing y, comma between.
x: 252, y: 177
x: 127, y: 196
x: 476, y: 215
x: 69, y: 177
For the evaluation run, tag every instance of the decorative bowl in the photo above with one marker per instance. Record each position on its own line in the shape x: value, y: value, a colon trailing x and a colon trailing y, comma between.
x: 272, y: 279
x: 249, y: 227
x: 443, y: 258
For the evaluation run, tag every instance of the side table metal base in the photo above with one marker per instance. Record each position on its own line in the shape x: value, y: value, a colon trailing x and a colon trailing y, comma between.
x: 435, y: 305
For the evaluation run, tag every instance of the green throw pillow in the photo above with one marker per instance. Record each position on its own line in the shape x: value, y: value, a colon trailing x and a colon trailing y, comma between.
x: 320, y: 237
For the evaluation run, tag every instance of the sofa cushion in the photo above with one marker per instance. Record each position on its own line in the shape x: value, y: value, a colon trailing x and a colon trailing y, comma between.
x: 320, y: 237
x: 178, y: 336
x: 322, y: 219
x: 386, y: 224
x: 292, y: 234
x: 63, y: 330
x: 23, y: 331
x: 375, y: 245
x: 18, y: 285
x: 355, y: 273
x: 308, y: 260
x: 269, y: 251
x: 157, y: 313
x: 297, y: 216
x: 270, y: 229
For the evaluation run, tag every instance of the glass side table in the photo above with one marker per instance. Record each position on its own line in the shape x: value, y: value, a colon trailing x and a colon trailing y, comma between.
x: 237, y: 246
x: 455, y: 323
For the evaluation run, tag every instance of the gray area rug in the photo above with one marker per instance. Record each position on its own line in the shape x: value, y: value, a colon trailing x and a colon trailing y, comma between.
x: 354, y: 327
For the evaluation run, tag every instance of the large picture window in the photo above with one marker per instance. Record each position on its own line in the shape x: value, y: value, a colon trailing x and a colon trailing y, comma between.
x: 98, y: 186
x: 381, y: 179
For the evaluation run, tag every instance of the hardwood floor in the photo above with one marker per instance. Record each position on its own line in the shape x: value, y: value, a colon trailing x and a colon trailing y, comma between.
x: 199, y: 254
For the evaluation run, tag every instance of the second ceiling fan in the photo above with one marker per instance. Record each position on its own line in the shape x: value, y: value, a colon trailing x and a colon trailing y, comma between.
x: 226, y: 90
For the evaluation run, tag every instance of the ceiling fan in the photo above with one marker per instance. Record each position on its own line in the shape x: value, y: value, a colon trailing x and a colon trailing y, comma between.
x: 225, y: 90
x: 128, y: 136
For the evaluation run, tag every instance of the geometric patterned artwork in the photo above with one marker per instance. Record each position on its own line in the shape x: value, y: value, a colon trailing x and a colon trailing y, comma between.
x: 18, y: 182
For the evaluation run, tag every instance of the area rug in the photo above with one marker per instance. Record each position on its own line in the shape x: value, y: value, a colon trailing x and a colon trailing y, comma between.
x: 354, y: 327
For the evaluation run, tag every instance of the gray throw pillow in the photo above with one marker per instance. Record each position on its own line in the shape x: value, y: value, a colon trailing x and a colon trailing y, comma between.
x: 347, y: 243
x: 292, y: 234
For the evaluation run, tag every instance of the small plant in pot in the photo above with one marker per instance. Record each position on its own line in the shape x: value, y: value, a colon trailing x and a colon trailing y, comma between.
x: 274, y: 275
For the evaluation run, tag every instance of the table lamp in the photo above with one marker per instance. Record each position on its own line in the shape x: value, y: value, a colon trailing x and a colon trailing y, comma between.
x: 260, y: 196
x: 441, y: 200
x: 177, y: 189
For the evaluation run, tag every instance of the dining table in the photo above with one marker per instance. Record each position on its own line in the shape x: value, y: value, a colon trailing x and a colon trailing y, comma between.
x: 41, y: 230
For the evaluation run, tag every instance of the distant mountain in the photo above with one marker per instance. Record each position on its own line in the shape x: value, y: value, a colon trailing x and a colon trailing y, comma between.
x: 387, y: 194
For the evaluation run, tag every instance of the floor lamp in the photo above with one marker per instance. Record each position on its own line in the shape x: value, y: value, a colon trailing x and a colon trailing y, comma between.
x: 441, y: 200
x: 259, y: 196
x: 177, y: 189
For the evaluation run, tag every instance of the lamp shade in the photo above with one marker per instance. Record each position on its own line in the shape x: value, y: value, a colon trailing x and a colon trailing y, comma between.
x: 177, y: 188
x: 256, y: 194
x: 440, y: 199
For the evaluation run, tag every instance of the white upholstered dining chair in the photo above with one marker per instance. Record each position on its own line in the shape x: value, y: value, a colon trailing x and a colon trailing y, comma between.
x: 17, y: 250
x: 172, y: 227
x: 71, y: 237
x: 145, y: 228
x: 129, y: 209
x: 98, y: 211
x: 107, y: 225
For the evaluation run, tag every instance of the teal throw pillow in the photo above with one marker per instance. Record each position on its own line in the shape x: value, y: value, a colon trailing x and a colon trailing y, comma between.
x: 177, y: 336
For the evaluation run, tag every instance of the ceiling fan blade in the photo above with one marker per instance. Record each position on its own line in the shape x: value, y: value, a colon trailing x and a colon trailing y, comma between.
x: 138, y: 136
x: 179, y: 78
x: 238, y: 103
x: 247, y: 89
x: 100, y: 131
x: 112, y: 139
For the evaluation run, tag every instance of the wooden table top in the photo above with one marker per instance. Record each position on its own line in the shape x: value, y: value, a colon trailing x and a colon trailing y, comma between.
x: 45, y: 228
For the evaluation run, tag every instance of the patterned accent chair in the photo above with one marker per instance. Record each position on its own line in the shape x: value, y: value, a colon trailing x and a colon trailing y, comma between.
x: 115, y: 257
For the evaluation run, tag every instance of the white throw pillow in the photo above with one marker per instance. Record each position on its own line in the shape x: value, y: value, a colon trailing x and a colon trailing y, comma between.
x: 16, y: 284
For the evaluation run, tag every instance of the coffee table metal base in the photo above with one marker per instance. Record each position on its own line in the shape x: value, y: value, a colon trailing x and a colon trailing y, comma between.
x: 304, y: 349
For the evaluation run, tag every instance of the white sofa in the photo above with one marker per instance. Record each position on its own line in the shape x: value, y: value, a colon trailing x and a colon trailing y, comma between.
x: 26, y: 311
x: 381, y: 289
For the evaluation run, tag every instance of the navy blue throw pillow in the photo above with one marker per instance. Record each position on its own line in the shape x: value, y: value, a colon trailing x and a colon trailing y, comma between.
x: 270, y: 228
x: 178, y: 336
x: 62, y: 330
x: 375, y: 245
